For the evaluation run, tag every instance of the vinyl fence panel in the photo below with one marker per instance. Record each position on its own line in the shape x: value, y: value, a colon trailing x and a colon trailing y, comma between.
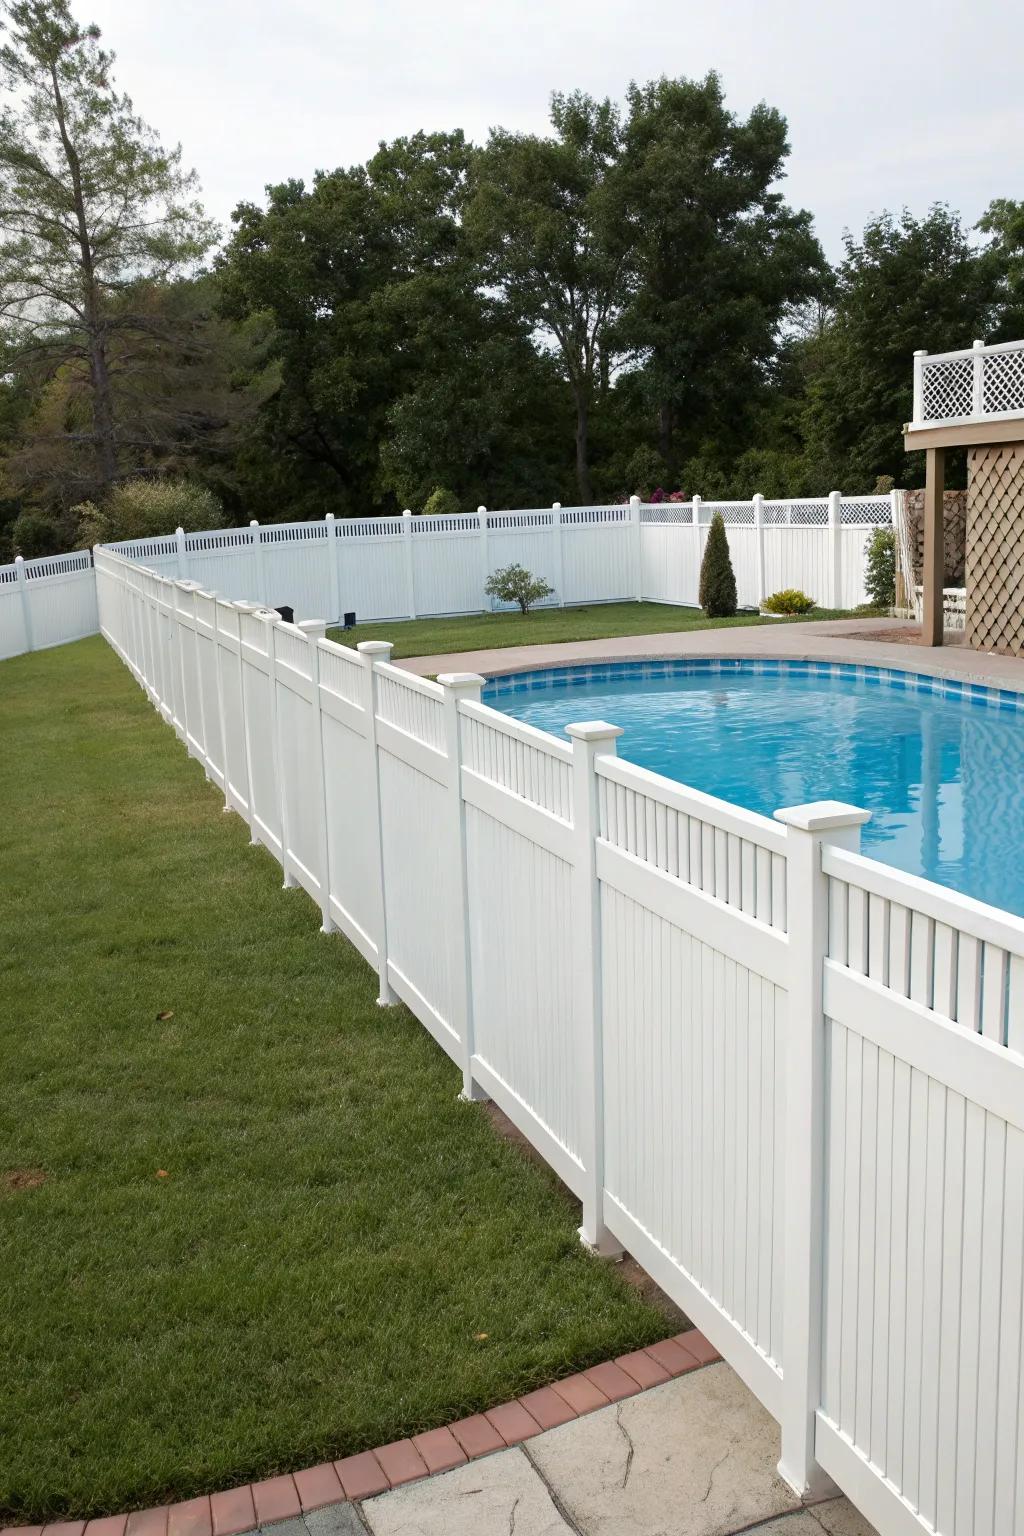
x: 789, y: 1079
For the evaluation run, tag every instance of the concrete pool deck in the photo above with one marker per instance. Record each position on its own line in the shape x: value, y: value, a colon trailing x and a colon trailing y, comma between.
x: 849, y: 640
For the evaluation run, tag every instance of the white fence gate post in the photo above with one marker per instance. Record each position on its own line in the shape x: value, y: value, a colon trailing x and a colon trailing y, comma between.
x: 26, y: 602
x: 485, y: 566
x: 260, y: 579
x: 835, y: 547
x: 179, y: 539
x: 372, y: 651
x: 808, y: 827
x: 315, y: 630
x: 590, y: 739
x: 458, y: 686
x: 759, y: 546
x: 558, y: 552
x: 333, y: 555
x: 638, y: 556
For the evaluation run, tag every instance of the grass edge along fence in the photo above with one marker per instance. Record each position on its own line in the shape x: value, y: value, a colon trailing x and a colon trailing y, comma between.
x: 785, y: 1077
x: 389, y: 568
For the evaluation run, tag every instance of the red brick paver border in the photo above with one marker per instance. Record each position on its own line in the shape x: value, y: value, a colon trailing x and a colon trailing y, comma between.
x: 403, y: 1461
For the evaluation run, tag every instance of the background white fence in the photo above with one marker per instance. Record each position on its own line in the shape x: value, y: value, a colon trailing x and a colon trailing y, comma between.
x: 46, y: 602
x: 788, y: 1079
x: 409, y: 567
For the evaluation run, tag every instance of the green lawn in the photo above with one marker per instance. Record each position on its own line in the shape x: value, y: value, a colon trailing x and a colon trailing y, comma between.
x: 487, y: 631
x: 340, y: 1252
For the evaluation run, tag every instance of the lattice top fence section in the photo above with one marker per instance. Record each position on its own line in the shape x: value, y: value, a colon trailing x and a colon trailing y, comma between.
x: 974, y: 385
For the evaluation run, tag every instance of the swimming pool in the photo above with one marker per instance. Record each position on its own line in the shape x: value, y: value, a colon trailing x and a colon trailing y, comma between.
x: 940, y: 764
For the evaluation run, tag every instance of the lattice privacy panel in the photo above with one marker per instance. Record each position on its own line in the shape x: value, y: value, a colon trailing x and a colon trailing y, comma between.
x: 995, y: 549
x: 947, y: 388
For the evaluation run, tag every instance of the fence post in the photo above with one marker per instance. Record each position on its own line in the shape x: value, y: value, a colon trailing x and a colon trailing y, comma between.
x: 808, y: 827
x: 638, y: 554
x: 218, y: 660
x: 978, y: 381
x: 315, y: 630
x: 271, y: 618
x: 245, y: 608
x: 481, y: 517
x: 698, y: 549
x: 333, y: 543
x: 260, y: 579
x: 371, y: 652
x: 896, y: 519
x: 559, y: 551
x: 835, y: 547
x: 182, y: 549
x: 410, y: 569
x: 919, y: 358
x: 26, y: 603
x: 458, y: 686
x: 590, y: 739
x: 759, y: 546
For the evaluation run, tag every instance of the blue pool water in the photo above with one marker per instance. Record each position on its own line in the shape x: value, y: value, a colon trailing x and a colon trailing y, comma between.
x: 939, y: 765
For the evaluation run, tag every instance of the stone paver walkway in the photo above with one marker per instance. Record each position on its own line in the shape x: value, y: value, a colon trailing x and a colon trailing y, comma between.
x: 830, y: 640
x: 695, y: 1456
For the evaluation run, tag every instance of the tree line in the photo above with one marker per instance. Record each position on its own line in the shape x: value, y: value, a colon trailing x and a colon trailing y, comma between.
x: 625, y: 304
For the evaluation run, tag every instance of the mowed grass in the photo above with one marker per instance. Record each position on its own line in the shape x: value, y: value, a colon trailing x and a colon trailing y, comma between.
x: 245, y: 1222
x: 549, y: 626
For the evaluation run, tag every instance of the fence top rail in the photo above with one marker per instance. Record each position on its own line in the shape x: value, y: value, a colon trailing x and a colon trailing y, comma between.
x: 694, y: 802
x: 404, y: 679
x: 987, y: 350
x: 518, y: 730
x: 975, y: 918
x: 344, y: 651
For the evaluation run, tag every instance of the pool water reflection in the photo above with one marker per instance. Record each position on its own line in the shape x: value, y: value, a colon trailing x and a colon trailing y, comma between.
x: 942, y: 774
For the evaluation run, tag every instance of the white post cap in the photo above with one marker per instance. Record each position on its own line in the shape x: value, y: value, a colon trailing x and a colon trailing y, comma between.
x: 822, y: 816
x: 375, y: 647
x: 593, y: 730
x: 315, y: 628
x: 460, y: 679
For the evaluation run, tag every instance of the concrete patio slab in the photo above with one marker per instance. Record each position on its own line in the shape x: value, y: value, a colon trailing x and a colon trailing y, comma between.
x: 829, y: 640
x: 500, y: 1494
x: 694, y: 1456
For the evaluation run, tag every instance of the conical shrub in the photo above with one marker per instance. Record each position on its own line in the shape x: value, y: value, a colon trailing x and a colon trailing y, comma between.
x: 717, y: 580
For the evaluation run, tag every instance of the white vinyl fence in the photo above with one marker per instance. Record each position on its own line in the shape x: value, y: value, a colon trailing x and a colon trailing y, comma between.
x: 46, y: 602
x: 787, y: 1078
x: 409, y: 567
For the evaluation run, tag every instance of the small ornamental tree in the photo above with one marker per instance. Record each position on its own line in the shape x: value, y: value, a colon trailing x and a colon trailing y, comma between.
x: 515, y: 584
x: 717, y: 595
x: 880, y: 572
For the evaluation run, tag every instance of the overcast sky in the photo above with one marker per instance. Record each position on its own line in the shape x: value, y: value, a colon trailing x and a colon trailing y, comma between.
x: 889, y: 102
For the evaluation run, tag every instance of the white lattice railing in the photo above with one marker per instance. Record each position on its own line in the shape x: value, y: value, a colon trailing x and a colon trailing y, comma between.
x: 981, y: 383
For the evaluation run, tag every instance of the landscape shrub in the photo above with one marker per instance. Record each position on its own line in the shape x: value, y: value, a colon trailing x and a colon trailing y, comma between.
x: 441, y: 503
x: 143, y: 509
x: 717, y: 593
x: 790, y: 600
x: 515, y: 584
x: 880, y: 572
